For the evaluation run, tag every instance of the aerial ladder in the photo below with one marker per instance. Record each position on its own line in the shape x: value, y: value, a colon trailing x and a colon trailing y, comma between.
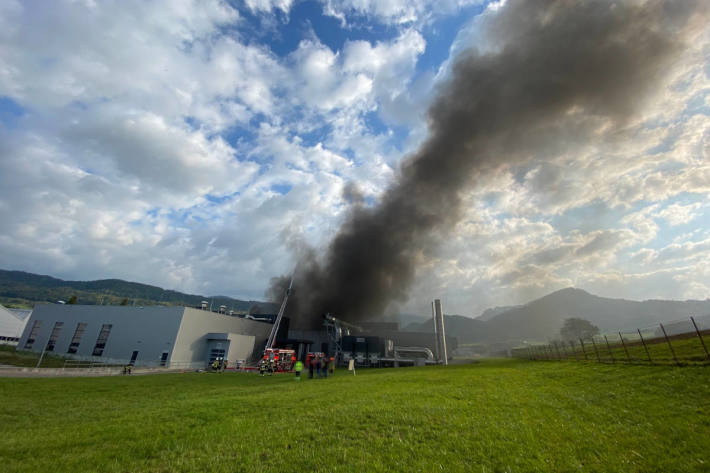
x: 275, y: 329
x: 279, y: 359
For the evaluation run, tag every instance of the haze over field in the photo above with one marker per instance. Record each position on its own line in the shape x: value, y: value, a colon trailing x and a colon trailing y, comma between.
x: 486, y: 154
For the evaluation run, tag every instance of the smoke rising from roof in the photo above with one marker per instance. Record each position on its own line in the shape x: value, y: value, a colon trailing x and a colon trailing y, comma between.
x: 550, y: 75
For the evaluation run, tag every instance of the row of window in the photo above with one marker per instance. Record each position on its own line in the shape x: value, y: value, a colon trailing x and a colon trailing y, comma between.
x: 76, y: 339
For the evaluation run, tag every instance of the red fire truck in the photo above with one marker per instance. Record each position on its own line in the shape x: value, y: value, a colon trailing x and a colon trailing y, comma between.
x: 283, y: 358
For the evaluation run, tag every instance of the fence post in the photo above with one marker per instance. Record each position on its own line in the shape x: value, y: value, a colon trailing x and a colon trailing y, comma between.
x: 565, y: 353
x: 581, y: 342
x: 557, y: 351
x: 644, y: 346
x: 669, y: 344
x: 599, y: 360
x: 624, y: 345
x: 609, y: 348
x: 701, y: 338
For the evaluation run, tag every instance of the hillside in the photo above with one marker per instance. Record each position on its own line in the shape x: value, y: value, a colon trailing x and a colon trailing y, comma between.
x: 22, y: 287
x: 466, y: 329
x: 542, y: 318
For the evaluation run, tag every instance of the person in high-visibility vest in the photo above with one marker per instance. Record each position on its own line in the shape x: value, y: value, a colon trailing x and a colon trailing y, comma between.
x: 298, y: 367
x: 262, y: 367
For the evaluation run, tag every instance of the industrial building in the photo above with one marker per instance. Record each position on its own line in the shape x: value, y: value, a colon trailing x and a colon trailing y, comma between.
x: 143, y: 336
x: 194, y: 337
x: 372, y: 343
x: 12, y: 324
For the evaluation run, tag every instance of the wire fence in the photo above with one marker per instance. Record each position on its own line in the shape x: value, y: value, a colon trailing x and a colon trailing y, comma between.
x: 681, y: 342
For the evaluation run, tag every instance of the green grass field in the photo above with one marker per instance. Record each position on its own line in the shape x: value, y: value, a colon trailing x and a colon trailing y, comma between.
x: 10, y: 356
x: 493, y: 416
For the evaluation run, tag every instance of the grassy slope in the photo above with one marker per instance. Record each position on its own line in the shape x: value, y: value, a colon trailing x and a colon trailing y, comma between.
x: 10, y: 356
x: 494, y: 416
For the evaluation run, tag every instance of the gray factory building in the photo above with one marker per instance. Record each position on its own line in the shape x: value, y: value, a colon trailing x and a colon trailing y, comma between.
x: 144, y: 336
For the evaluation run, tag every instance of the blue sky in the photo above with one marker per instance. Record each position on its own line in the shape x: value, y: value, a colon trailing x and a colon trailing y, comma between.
x: 194, y: 144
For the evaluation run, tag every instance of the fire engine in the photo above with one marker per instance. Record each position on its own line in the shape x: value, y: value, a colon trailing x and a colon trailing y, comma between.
x: 283, y: 358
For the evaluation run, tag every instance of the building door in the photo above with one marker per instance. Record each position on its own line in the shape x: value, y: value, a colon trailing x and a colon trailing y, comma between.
x: 164, y: 358
x: 214, y: 354
x: 134, y: 356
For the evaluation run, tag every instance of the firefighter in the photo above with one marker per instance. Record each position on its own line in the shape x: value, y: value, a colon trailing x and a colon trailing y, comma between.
x: 324, y: 365
x: 332, y: 365
x: 298, y: 367
x: 262, y: 367
x: 215, y: 365
x: 271, y: 367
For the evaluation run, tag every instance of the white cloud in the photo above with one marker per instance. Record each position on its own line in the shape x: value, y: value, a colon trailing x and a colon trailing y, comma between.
x: 269, y: 5
x: 396, y: 12
x: 157, y: 142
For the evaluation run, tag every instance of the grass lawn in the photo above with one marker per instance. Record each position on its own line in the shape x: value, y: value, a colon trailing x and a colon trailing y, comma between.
x: 10, y: 356
x: 506, y: 415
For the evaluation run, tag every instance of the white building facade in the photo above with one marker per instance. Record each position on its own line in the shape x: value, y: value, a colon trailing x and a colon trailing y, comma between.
x: 143, y: 336
x: 12, y: 324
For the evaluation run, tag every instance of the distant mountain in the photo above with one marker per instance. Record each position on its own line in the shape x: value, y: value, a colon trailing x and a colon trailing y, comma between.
x: 466, y: 329
x: 542, y: 318
x: 411, y: 319
x: 488, y: 314
x: 32, y: 288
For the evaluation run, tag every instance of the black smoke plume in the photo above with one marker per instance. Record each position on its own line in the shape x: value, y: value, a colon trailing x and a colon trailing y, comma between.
x: 550, y: 75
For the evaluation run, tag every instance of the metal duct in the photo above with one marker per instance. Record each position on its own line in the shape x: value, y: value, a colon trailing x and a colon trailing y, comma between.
x: 440, y: 332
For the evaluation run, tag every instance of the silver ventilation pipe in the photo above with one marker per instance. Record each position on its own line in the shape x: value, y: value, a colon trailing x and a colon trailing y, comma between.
x: 440, y: 332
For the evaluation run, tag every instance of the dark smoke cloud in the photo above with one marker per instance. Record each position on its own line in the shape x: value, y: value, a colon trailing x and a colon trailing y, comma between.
x: 553, y: 72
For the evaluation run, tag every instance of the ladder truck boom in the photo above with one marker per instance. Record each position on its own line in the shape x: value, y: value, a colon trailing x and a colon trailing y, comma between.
x: 274, y: 330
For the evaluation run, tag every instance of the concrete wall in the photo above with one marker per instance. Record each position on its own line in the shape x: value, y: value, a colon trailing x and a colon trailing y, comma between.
x: 11, y: 326
x: 149, y: 330
x: 191, y: 342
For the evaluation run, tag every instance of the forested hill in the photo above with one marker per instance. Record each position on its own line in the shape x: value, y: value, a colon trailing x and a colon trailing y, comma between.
x: 20, y: 288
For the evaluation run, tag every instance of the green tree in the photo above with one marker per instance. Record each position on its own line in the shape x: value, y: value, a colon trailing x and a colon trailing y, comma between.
x: 574, y: 329
x: 72, y: 299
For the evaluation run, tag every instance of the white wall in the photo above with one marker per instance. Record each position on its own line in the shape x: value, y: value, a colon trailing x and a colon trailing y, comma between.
x: 10, y: 325
x: 191, y: 342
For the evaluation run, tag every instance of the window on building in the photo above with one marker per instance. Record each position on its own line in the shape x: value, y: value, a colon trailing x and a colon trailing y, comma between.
x: 33, y: 334
x: 76, y: 339
x: 54, y: 335
x: 101, y: 341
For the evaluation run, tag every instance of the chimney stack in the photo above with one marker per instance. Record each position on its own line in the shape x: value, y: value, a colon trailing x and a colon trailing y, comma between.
x: 439, y: 332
